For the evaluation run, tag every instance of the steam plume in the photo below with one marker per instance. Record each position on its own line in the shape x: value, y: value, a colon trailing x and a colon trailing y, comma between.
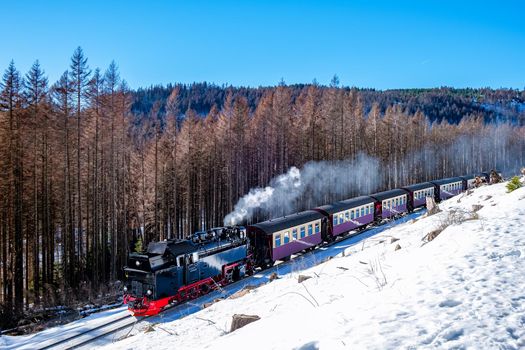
x: 317, y: 183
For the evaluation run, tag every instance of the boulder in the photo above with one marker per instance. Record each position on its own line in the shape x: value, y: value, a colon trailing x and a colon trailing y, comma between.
x: 302, y: 278
x: 240, y: 320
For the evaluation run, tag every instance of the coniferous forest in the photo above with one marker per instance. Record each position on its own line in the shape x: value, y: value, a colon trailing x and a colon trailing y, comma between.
x: 91, y: 169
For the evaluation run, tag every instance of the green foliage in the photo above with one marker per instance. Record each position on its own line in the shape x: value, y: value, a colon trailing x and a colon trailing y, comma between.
x: 514, y: 184
x: 138, y: 245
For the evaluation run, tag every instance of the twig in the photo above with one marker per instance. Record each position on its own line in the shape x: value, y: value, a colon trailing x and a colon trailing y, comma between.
x: 310, y: 294
x: 305, y: 298
x: 165, y: 330
x: 204, y: 319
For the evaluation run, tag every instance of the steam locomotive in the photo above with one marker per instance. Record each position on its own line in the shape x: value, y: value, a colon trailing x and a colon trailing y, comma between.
x: 174, y: 271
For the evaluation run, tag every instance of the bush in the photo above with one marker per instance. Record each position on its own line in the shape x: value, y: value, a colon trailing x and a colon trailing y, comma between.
x: 514, y: 184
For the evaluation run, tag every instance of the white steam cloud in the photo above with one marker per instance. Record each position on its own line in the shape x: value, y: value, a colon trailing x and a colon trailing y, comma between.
x: 317, y: 183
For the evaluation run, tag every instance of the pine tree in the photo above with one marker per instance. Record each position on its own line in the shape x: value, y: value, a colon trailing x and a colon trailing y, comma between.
x: 79, y: 76
x: 11, y: 104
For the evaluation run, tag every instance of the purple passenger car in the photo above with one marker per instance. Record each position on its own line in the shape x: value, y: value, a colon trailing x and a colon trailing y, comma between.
x: 279, y: 238
x: 348, y: 215
x: 418, y: 193
x: 390, y: 203
x: 447, y: 188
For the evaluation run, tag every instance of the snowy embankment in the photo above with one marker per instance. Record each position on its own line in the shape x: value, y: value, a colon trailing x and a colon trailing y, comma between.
x: 465, y: 288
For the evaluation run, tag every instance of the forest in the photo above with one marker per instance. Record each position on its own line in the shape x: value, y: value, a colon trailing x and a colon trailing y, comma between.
x: 91, y: 169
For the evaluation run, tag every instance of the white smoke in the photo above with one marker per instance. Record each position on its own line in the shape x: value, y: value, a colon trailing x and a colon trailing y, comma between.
x: 317, y: 183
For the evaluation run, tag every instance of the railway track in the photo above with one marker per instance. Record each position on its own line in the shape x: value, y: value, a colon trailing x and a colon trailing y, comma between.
x: 80, y: 338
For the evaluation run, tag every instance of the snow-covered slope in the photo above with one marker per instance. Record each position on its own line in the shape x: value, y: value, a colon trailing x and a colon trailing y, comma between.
x: 464, y: 289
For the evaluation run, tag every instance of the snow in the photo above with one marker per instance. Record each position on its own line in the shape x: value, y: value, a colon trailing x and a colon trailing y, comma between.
x: 463, y: 290
x: 61, y: 332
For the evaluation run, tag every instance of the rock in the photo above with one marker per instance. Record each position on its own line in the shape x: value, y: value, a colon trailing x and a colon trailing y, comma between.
x: 150, y: 328
x: 397, y: 247
x: 432, y: 207
x: 431, y: 235
x: 205, y: 305
x: 240, y: 320
x: 302, y: 278
x: 476, y: 207
x: 239, y: 294
x: 393, y: 239
x: 273, y: 276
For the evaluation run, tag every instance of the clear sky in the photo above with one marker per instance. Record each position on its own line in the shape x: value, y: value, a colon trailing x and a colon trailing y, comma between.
x: 379, y: 44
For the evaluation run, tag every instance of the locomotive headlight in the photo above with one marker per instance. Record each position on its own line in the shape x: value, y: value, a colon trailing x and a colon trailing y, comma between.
x: 125, y: 289
x: 149, y: 292
x: 137, y: 263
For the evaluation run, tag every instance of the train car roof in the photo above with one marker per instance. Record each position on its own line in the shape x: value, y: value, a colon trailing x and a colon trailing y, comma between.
x: 446, y: 181
x: 419, y: 186
x: 275, y: 225
x: 469, y: 176
x: 381, y: 196
x: 182, y: 247
x: 346, y: 204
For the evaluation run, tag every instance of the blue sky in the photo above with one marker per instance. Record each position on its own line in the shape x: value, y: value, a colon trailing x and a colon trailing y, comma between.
x: 378, y: 44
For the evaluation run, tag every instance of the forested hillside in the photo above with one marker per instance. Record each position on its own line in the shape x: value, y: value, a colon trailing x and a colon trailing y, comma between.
x: 437, y: 104
x: 90, y: 169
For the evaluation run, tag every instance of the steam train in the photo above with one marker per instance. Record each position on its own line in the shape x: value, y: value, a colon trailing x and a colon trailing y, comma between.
x: 174, y: 271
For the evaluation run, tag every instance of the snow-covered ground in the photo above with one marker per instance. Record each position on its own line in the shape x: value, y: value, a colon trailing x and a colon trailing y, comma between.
x: 464, y: 289
x: 53, y: 334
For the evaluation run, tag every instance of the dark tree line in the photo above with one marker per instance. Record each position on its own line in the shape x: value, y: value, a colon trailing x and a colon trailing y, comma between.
x: 437, y: 103
x: 85, y: 177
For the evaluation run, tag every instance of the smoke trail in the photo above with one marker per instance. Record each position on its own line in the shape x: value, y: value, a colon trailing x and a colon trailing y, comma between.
x: 315, y: 184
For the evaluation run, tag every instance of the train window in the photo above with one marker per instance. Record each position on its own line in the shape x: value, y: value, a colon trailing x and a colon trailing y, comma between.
x: 180, y: 260
x: 352, y: 215
x: 362, y: 211
x: 367, y: 208
x: 335, y: 220
x: 310, y: 229
x: 294, y: 234
x: 347, y: 216
x: 277, y: 240
x: 302, y: 232
x: 341, y: 218
x: 286, y: 237
x: 317, y: 228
